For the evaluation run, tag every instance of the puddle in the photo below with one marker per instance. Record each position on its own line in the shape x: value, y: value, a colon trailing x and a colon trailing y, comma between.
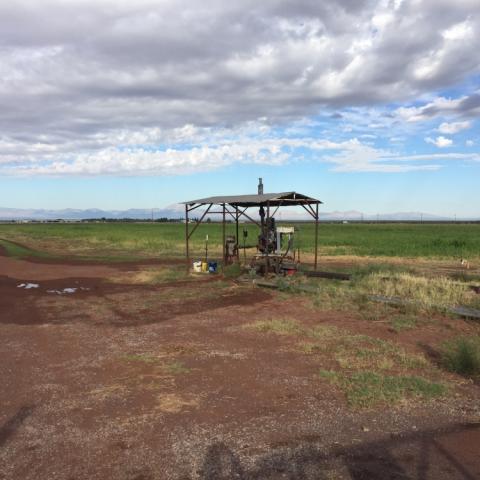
x: 57, y: 291
x: 27, y: 286
x: 67, y: 290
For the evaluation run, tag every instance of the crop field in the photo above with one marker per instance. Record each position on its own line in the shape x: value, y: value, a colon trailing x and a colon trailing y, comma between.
x: 117, y: 362
x: 113, y: 240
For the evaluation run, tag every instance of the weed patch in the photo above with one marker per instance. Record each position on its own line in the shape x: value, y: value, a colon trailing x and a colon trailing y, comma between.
x: 232, y: 271
x: 366, y: 389
x: 336, y: 296
x: 401, y: 323
x: 141, y: 358
x: 176, y: 368
x: 363, y: 271
x: 283, y: 326
x: 462, y: 355
x: 359, y: 352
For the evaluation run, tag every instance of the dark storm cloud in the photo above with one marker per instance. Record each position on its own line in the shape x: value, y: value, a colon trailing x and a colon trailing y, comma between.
x: 75, y: 74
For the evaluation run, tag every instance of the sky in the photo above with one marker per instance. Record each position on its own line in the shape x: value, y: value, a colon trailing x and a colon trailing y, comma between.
x: 367, y: 105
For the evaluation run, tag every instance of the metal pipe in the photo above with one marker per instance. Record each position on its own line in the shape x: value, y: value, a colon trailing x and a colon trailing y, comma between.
x: 200, y: 221
x: 230, y: 213
x: 316, y: 236
x: 309, y: 210
x: 267, y: 259
x: 196, y: 206
x: 236, y: 229
x: 223, y: 234
x: 187, y: 237
x: 250, y: 218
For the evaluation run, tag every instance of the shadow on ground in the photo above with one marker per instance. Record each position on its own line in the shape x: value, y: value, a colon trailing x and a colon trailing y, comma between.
x: 435, y: 454
x: 9, y: 428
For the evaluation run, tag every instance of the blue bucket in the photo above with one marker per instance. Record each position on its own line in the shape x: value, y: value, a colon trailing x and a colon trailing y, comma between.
x: 212, y: 267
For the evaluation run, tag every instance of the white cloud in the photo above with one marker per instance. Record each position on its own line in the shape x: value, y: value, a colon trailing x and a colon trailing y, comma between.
x: 205, y: 155
x: 440, y: 142
x: 459, y: 31
x: 173, y: 80
x: 455, y: 127
x: 357, y: 157
x: 227, y: 149
x: 469, y: 143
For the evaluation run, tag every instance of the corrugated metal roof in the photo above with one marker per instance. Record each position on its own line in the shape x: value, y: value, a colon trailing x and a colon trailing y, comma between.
x: 274, y: 199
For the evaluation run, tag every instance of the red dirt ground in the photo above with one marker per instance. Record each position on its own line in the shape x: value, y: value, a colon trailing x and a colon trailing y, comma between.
x: 145, y: 382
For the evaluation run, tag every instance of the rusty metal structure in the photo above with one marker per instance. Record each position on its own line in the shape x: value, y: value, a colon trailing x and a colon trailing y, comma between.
x: 236, y: 207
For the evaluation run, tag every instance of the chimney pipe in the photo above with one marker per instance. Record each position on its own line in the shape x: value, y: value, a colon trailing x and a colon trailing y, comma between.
x: 260, y: 186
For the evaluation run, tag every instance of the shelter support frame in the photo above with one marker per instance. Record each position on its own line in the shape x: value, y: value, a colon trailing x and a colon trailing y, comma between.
x: 236, y: 213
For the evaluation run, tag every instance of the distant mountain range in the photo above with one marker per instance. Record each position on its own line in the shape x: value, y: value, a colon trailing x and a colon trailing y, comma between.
x: 177, y: 211
x: 77, y: 214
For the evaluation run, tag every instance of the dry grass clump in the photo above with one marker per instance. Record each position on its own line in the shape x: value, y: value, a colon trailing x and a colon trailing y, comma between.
x: 174, y: 403
x: 427, y: 293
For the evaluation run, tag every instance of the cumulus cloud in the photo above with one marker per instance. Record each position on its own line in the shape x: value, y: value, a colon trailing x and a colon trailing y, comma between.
x: 206, y: 155
x: 454, y: 127
x: 217, y: 150
x: 91, y: 86
x: 440, y: 142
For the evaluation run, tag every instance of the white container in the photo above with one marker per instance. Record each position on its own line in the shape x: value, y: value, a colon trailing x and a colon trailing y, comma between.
x: 197, y: 267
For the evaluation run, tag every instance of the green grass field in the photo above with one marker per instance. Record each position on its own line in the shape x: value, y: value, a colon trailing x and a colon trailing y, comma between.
x: 131, y: 240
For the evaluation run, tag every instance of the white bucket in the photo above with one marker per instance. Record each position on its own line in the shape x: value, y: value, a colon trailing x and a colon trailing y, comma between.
x: 197, y: 267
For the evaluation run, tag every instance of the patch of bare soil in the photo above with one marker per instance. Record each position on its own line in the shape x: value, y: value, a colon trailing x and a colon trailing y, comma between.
x: 169, y: 382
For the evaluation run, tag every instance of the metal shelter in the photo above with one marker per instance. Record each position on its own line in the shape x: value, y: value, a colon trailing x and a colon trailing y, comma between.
x: 236, y: 206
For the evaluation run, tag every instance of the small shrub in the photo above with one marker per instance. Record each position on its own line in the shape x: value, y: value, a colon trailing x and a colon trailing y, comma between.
x: 462, y: 355
x: 232, y: 271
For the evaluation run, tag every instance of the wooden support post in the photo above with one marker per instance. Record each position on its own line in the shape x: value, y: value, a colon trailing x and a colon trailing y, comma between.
x: 187, y: 253
x: 316, y: 236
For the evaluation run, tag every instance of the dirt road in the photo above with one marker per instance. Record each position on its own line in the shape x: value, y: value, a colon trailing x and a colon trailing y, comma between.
x: 140, y: 382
